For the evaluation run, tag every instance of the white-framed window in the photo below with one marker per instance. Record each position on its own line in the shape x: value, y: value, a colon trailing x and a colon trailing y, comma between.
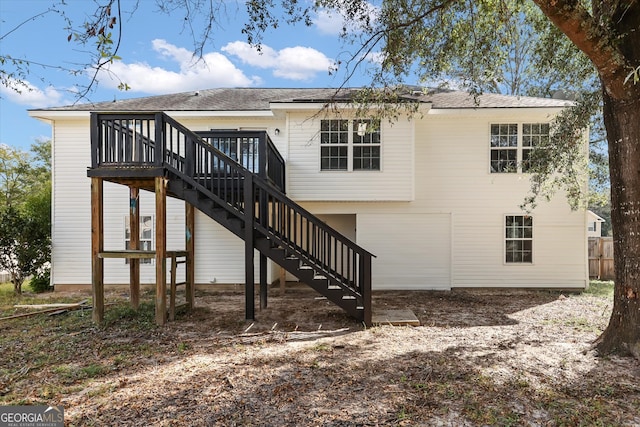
x: 533, y: 135
x: 512, y: 143
x: 334, y: 144
x: 504, y: 147
x: 146, y: 236
x: 518, y: 234
x: 350, y: 145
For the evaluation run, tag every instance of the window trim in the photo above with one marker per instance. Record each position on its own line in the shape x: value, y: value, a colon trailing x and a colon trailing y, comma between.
x: 351, y: 145
x: 505, y: 239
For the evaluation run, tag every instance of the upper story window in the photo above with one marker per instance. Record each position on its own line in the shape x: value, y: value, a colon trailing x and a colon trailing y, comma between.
x: 334, y: 144
x: 533, y: 135
x: 349, y: 145
x: 512, y: 143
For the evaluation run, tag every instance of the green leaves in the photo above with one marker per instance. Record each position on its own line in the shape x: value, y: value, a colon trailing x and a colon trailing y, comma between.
x: 25, y: 211
x: 634, y: 76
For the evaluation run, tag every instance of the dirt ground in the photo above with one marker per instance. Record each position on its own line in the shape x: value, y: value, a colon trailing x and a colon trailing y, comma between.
x: 491, y: 357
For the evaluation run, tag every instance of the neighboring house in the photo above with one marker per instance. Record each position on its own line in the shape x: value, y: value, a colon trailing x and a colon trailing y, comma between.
x: 435, y: 198
x: 594, y: 224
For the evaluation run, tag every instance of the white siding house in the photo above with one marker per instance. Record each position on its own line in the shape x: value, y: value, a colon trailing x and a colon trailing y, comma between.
x: 436, y: 197
x: 594, y: 224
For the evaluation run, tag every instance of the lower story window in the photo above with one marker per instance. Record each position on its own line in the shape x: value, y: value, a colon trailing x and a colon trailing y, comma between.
x: 146, y: 236
x: 518, y: 239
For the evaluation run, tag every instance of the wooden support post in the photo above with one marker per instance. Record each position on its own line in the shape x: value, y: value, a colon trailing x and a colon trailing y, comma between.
x: 249, y: 216
x: 190, y: 248
x: 174, y: 288
x: 134, y: 243
x: 263, y: 282
x: 283, y: 280
x: 161, y: 250
x: 97, y: 246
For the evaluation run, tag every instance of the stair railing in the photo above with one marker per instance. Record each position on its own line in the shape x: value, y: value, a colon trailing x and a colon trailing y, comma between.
x: 135, y: 139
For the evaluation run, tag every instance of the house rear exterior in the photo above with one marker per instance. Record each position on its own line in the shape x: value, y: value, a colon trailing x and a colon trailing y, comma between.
x: 435, y: 198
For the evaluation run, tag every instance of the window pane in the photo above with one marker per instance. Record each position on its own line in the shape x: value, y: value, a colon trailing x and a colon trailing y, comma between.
x: 333, y: 158
x: 333, y: 144
x: 504, y: 143
x: 526, y: 162
x: 366, y: 158
x: 366, y: 132
x: 146, y: 236
x: 519, y: 239
x: 333, y: 132
x: 503, y: 160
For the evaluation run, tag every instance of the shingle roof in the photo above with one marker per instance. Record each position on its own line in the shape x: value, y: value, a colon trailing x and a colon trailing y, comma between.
x: 257, y: 99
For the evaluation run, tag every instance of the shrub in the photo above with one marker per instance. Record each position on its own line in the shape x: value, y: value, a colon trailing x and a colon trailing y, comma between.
x: 41, y: 282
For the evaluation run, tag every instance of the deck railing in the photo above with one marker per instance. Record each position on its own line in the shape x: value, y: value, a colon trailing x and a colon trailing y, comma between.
x: 130, y: 139
x: 252, y: 149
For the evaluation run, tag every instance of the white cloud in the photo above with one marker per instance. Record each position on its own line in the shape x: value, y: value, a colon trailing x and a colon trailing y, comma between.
x: 374, y: 57
x: 333, y: 21
x: 25, y: 93
x: 264, y: 58
x: 294, y: 63
x: 212, y: 70
x: 300, y: 63
x: 329, y: 22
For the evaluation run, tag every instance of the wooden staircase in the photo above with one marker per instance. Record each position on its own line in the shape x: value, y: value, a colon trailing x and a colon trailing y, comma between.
x: 248, y: 200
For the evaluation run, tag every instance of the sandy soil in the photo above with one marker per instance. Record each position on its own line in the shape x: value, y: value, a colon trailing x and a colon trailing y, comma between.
x: 480, y: 358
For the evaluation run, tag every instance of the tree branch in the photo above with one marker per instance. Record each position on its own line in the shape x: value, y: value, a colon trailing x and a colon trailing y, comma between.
x: 591, y: 38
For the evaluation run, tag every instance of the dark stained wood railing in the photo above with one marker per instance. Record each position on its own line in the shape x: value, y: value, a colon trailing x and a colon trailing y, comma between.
x: 134, y: 140
x: 252, y: 149
x: 124, y: 140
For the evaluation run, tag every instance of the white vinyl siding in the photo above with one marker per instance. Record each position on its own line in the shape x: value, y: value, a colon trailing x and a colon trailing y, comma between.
x: 306, y: 182
x: 419, y: 257
x: 434, y: 215
x: 71, y: 204
x: 479, y: 200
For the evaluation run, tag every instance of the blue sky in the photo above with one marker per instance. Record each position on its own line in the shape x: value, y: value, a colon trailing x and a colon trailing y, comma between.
x: 157, y: 58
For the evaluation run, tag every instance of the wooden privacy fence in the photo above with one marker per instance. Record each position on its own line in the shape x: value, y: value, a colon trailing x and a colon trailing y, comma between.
x: 601, y: 258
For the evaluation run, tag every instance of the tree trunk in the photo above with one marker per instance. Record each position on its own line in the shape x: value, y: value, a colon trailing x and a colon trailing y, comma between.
x: 622, y: 121
x: 17, y: 284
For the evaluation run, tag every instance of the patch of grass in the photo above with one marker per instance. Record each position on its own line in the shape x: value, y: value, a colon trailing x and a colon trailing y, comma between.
x: 6, y: 290
x: 582, y: 324
x: 8, y: 299
x: 124, y: 316
x: 598, y: 288
x: 402, y: 414
x: 322, y: 347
